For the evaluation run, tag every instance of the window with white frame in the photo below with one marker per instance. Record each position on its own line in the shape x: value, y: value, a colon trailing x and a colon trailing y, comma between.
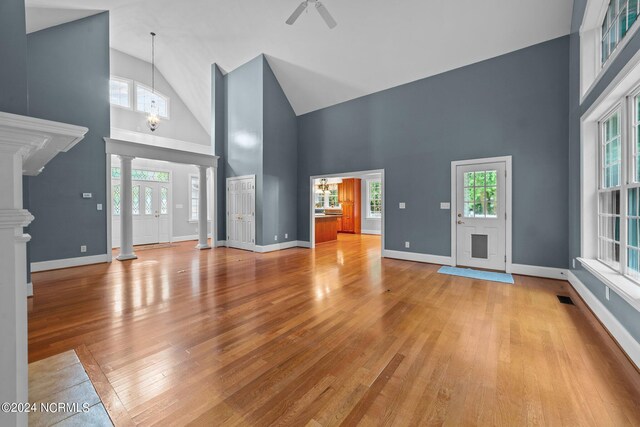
x: 120, y: 93
x: 144, y: 97
x: 194, y: 197
x: 619, y: 189
x: 374, y: 198
x: 620, y: 16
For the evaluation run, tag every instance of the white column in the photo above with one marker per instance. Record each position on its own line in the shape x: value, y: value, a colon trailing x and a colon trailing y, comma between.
x: 203, y: 241
x: 13, y: 284
x: 126, y: 211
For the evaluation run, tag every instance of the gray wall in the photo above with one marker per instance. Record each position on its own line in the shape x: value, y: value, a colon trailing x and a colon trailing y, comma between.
x: 218, y: 132
x: 625, y: 313
x: 13, y: 51
x: 514, y: 104
x: 68, y: 76
x: 181, y: 124
x: 280, y: 151
x: 243, y: 139
x: 261, y: 139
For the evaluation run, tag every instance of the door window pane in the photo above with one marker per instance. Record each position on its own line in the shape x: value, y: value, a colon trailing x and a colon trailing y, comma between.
x: 148, y: 200
x: 135, y: 208
x: 164, y: 201
x: 116, y: 199
x: 480, y: 194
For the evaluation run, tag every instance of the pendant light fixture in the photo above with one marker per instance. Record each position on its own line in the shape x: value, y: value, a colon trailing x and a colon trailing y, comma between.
x: 153, y: 118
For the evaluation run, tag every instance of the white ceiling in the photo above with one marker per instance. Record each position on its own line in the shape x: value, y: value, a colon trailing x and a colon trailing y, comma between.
x: 377, y: 44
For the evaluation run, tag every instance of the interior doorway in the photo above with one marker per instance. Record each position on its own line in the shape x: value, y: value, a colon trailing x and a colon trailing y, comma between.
x: 151, y: 205
x: 481, y: 213
x: 241, y: 212
x: 350, y: 203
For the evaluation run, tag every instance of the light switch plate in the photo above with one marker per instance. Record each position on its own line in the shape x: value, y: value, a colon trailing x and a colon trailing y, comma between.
x: 86, y: 195
x: 445, y: 205
x: 99, y: 206
x: 402, y: 205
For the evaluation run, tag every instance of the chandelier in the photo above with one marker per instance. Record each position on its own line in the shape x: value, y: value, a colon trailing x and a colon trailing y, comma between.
x: 153, y: 117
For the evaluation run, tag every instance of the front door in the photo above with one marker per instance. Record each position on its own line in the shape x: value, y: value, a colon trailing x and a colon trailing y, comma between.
x: 241, y: 213
x: 481, y: 215
x: 150, y: 202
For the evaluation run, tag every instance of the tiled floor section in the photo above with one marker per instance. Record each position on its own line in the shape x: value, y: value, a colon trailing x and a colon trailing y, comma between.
x: 62, y: 379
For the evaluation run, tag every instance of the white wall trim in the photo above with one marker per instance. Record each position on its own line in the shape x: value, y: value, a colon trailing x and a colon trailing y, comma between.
x: 276, y: 247
x: 304, y: 244
x: 414, y: 256
x: 509, y: 208
x: 186, y: 238
x: 377, y: 232
x: 537, y: 271
x: 160, y: 141
x: 30, y: 289
x: 220, y: 243
x: 68, y: 262
x: 624, y: 339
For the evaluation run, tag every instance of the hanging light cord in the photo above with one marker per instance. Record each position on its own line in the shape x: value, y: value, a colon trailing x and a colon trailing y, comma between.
x: 153, y: 62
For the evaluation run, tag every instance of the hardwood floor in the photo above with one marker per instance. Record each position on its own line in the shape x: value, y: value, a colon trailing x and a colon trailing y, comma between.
x: 326, y: 337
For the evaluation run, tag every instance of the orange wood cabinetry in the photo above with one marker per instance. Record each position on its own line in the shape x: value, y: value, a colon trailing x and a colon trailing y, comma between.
x: 349, y: 197
x: 326, y: 228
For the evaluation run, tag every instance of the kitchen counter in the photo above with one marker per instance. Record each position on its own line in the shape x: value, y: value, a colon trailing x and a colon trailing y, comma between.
x: 326, y: 227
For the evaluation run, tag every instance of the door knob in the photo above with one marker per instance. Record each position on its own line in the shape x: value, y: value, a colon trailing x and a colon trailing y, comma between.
x: 459, y: 215
x: 460, y: 222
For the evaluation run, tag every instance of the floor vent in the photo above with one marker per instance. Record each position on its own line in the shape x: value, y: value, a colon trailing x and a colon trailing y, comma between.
x: 565, y: 300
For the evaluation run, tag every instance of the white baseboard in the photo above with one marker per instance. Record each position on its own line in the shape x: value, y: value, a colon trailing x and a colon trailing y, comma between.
x: 68, y: 262
x: 615, y: 328
x: 29, y: 289
x: 533, y: 270
x: 413, y: 256
x: 276, y: 246
x: 221, y: 243
x: 377, y: 232
x: 184, y: 238
x: 303, y: 244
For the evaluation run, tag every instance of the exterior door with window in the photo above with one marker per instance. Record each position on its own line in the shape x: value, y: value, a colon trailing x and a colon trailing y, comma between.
x: 481, y: 215
x: 241, y: 213
x: 146, y: 213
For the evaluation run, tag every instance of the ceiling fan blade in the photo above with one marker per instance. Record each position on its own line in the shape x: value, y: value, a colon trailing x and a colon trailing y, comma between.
x: 296, y: 13
x: 331, y: 23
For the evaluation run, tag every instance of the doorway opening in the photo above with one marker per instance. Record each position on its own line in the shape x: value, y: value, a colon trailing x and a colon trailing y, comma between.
x: 165, y: 202
x: 481, y: 213
x: 346, y: 204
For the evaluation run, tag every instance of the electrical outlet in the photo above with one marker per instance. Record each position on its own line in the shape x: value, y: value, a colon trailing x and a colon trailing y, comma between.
x: 286, y: 235
x: 99, y: 206
x: 607, y: 294
x: 83, y: 248
x: 407, y: 244
x: 275, y: 238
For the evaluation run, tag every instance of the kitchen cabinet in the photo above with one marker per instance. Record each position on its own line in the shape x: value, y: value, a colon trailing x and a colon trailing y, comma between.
x: 349, y: 197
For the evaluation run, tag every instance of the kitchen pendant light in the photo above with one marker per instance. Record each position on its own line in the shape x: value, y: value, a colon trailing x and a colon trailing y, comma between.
x: 153, y: 118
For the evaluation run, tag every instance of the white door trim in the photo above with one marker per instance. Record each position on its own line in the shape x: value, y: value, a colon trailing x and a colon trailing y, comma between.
x: 312, y: 222
x: 251, y: 247
x: 508, y: 191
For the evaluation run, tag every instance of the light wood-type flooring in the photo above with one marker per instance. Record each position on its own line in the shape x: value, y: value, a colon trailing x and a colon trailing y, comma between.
x: 331, y: 336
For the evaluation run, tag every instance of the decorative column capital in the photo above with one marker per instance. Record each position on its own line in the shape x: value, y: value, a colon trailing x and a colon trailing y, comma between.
x: 11, y: 218
x: 125, y: 158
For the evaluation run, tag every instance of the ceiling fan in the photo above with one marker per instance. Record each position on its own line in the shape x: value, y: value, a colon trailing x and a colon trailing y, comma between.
x: 324, y: 13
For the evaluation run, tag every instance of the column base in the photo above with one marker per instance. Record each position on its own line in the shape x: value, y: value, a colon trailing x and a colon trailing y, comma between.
x: 203, y: 246
x: 123, y: 257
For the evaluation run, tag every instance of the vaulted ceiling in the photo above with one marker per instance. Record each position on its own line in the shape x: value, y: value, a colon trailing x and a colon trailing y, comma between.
x: 377, y: 44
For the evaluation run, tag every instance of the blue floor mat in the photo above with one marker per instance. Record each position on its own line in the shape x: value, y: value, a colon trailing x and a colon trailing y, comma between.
x: 477, y: 274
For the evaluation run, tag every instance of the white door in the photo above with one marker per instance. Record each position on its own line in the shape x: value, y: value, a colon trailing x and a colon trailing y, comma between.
x: 151, y: 202
x: 145, y: 213
x: 241, y: 213
x: 481, y: 215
